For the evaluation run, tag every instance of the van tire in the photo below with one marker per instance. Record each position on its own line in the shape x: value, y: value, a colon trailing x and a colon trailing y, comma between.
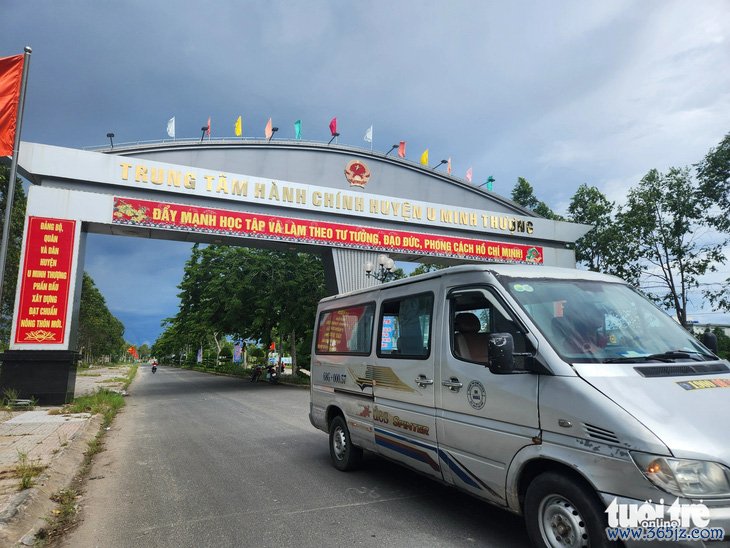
x: 345, y: 456
x: 561, y: 512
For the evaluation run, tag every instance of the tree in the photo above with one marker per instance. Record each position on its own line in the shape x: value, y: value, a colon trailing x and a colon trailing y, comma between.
x: 12, y: 261
x: 663, y: 226
x: 524, y: 194
x: 599, y: 249
x: 244, y: 294
x: 713, y: 173
x: 100, y: 333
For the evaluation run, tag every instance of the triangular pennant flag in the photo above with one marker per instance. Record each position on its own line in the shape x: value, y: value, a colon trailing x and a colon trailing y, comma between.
x: 448, y: 166
x: 333, y: 126
x: 268, y: 130
x: 238, y: 128
x: 369, y: 135
x: 171, y: 127
x: 469, y: 174
x: 402, y: 149
x: 424, y: 158
x: 207, y: 129
x: 298, y: 130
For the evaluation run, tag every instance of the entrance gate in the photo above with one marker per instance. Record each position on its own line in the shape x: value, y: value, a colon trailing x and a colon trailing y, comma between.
x: 346, y: 204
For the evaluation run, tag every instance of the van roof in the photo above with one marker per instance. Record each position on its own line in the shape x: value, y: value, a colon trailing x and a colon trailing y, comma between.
x: 500, y: 269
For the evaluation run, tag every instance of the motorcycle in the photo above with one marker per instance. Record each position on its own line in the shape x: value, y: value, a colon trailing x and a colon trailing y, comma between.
x: 255, y: 374
x: 154, y: 368
x: 272, y: 374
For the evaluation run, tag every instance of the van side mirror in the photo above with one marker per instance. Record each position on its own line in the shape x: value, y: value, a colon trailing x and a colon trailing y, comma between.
x: 501, y: 347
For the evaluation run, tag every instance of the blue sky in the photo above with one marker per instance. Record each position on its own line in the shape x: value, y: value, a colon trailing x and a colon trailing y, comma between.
x: 561, y: 93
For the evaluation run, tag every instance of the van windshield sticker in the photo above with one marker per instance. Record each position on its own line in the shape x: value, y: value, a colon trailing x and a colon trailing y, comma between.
x: 523, y: 288
x: 705, y: 383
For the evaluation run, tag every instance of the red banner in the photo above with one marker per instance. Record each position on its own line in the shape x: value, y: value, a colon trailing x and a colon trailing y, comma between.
x: 45, y: 281
x: 254, y: 225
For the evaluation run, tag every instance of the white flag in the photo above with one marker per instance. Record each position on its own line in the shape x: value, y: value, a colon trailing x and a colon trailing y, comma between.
x: 369, y: 135
x: 171, y: 127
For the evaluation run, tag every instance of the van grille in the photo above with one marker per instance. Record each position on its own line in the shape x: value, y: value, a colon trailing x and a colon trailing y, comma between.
x: 680, y: 370
x: 600, y: 433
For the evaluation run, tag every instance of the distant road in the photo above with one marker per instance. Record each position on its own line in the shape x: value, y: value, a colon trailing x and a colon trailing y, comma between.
x: 199, y: 460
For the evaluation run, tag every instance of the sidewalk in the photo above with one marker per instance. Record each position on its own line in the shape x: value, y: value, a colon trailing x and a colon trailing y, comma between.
x: 55, y: 442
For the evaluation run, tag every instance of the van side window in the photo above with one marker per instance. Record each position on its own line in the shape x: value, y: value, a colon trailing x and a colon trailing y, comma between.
x: 474, y: 314
x: 346, y: 330
x: 405, y: 327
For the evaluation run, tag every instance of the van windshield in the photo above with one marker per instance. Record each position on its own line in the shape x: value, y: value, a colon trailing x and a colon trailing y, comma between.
x: 595, y: 321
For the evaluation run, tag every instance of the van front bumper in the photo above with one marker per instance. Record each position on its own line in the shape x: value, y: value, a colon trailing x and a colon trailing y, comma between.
x: 719, y: 518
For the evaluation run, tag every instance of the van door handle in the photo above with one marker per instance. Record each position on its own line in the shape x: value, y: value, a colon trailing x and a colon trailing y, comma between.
x: 453, y: 384
x: 422, y: 381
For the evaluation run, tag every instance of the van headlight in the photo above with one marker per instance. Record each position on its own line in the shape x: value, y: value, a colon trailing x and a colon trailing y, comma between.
x: 685, y: 477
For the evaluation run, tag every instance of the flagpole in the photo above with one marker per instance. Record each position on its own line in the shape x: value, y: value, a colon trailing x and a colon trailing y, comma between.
x: 13, y: 168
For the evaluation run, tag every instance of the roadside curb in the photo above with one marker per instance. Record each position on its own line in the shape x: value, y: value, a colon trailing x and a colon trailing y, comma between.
x: 36, y: 501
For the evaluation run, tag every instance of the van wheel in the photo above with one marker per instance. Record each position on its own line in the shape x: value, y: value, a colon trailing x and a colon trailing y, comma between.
x: 345, y: 456
x: 561, y: 513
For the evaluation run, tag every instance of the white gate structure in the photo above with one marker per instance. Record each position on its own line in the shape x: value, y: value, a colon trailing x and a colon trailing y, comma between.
x: 346, y: 204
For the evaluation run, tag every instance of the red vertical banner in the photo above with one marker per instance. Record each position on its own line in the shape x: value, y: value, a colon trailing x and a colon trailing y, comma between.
x: 45, y: 281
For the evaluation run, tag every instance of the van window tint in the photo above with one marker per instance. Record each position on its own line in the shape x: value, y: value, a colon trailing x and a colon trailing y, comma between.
x: 346, y: 330
x: 405, y: 327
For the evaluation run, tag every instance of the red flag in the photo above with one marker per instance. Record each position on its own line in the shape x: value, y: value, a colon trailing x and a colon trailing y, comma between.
x: 272, y: 346
x: 402, y: 149
x: 469, y: 173
x: 207, y: 129
x: 333, y: 126
x: 11, y: 75
x: 133, y: 351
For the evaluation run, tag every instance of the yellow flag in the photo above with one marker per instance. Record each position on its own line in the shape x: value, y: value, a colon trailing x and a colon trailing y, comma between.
x: 239, y: 127
x: 424, y: 158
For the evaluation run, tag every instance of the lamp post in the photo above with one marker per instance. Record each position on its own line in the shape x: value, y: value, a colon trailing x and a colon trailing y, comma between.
x: 110, y: 136
x: 392, y: 148
x: 273, y: 130
x: 442, y: 162
x: 384, y: 272
x: 334, y: 136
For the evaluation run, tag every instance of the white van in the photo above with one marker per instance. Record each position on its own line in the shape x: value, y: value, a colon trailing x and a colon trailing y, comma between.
x: 555, y: 393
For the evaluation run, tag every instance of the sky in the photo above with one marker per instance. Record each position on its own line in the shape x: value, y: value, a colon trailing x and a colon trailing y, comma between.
x: 561, y: 93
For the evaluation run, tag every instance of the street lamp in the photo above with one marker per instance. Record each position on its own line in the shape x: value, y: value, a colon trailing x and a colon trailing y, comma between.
x: 384, y: 273
x: 442, y: 162
x: 110, y: 136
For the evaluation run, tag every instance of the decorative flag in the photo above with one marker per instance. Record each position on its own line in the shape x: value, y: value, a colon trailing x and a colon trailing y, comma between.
x: 238, y: 128
x: 490, y: 183
x: 369, y: 135
x: 424, y: 158
x: 333, y: 126
x: 237, y: 353
x: 272, y: 347
x: 268, y: 130
x: 199, y: 359
x: 298, y: 130
x: 448, y: 166
x: 11, y: 76
x: 469, y: 174
x: 171, y: 127
x: 402, y: 149
x: 207, y: 129
x: 133, y: 351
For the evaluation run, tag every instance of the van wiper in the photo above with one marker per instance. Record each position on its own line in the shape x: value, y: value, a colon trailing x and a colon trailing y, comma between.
x: 667, y: 357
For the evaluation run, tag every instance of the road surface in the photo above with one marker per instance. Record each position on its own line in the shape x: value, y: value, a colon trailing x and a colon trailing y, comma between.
x: 201, y: 460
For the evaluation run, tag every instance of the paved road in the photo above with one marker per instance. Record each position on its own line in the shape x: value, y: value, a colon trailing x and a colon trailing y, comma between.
x: 198, y: 460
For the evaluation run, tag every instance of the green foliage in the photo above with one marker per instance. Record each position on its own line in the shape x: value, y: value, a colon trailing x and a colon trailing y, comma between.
x: 713, y: 173
x: 103, y: 401
x: 10, y: 280
x: 100, y: 333
x: 243, y: 294
x: 599, y: 249
x: 427, y: 267
x: 524, y: 194
x: 661, y: 224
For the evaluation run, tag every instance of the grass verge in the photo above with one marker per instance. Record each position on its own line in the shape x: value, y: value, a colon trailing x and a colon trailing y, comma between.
x: 107, y: 403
